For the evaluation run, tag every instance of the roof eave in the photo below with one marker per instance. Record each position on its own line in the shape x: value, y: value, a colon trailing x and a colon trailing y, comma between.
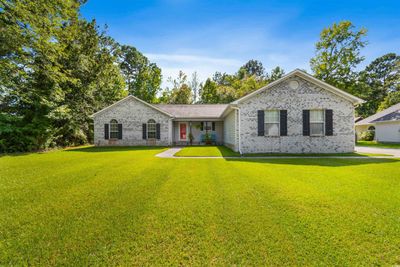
x: 353, y: 99
x: 133, y: 97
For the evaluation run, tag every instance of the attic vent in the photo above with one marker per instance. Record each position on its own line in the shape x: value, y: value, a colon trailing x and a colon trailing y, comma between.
x: 294, y: 84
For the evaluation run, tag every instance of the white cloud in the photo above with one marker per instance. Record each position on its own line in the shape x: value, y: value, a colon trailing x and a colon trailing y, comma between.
x: 205, y: 66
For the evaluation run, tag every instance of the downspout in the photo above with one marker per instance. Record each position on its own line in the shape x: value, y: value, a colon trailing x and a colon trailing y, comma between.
x: 238, y: 111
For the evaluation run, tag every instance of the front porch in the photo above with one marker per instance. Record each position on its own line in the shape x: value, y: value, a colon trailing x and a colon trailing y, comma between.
x: 199, y: 132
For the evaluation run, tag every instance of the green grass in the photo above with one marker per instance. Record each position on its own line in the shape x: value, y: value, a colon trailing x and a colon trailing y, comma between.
x: 222, y: 151
x: 376, y: 144
x: 352, y: 154
x: 123, y: 206
x: 206, y: 151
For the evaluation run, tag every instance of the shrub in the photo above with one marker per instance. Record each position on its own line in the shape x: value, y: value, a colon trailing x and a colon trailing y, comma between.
x: 367, y: 136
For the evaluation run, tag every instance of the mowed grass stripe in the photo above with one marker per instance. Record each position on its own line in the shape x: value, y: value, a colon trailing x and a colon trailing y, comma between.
x: 321, y: 210
x: 85, y: 215
x: 180, y: 221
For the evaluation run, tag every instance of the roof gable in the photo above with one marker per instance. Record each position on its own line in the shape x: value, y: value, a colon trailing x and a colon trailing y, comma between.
x: 309, y: 78
x: 131, y: 97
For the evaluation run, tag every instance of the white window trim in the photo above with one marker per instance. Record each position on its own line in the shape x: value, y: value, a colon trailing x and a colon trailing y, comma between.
x: 323, y: 122
x: 109, y: 130
x: 279, y: 123
x: 179, y: 131
x: 155, y: 130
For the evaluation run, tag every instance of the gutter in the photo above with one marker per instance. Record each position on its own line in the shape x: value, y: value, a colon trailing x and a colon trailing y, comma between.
x: 238, y: 109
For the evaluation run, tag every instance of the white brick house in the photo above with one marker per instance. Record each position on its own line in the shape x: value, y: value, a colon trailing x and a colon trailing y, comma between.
x: 295, y: 114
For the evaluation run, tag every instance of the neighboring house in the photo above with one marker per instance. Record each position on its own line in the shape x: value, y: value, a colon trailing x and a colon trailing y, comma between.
x: 295, y: 114
x: 385, y: 124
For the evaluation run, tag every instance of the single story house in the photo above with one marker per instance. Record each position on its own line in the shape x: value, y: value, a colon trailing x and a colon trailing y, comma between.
x: 385, y: 125
x: 294, y: 114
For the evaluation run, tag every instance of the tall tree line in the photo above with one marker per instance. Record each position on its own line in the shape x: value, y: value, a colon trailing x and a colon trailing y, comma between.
x: 56, y: 69
x: 221, y: 87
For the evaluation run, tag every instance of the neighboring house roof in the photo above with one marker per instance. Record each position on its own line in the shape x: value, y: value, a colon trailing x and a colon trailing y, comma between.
x: 394, y: 116
x: 194, y: 111
x: 308, y: 77
x: 390, y: 114
x: 135, y: 98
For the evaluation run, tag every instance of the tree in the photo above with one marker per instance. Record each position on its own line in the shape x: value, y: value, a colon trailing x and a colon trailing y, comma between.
x: 142, y: 77
x: 55, y: 71
x: 338, y: 54
x: 253, y: 67
x: 379, y: 79
x: 221, y: 78
x: 195, y: 86
x: 225, y: 88
x: 276, y: 73
x: 391, y: 99
x: 208, y: 92
x: 95, y: 81
x: 180, y: 93
x: 30, y: 72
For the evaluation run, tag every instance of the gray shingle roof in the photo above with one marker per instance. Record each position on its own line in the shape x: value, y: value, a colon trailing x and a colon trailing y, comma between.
x: 388, y: 114
x: 394, y: 116
x: 194, y: 111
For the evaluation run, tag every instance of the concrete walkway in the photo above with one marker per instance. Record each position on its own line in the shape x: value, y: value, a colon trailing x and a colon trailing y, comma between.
x: 171, y: 152
x: 375, y: 150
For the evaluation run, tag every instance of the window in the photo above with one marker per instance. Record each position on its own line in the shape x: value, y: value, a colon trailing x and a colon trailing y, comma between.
x: 151, y: 129
x: 113, y: 129
x: 317, y: 122
x: 271, y: 120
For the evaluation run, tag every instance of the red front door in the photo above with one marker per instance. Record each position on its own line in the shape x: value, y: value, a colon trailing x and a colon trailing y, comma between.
x: 182, y: 131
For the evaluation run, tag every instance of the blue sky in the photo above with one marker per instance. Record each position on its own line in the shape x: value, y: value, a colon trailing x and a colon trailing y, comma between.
x: 208, y: 36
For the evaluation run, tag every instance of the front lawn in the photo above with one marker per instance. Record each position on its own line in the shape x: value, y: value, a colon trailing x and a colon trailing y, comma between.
x: 123, y: 206
x: 206, y: 151
x: 377, y: 144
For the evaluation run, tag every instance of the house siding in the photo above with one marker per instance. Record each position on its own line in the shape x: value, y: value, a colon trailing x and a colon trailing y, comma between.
x: 230, y: 126
x: 131, y: 113
x: 306, y: 96
x: 387, y: 131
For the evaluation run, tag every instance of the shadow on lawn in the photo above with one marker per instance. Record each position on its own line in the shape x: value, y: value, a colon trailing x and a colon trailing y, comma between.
x: 328, y: 162
x: 227, y: 152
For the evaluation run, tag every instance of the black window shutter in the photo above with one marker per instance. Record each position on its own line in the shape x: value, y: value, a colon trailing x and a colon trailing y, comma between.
x: 158, y: 128
x: 106, y: 132
x: 119, y: 131
x: 329, y: 122
x: 144, y: 131
x: 213, y: 126
x: 283, y: 122
x: 306, y: 122
x: 260, y: 119
x: 201, y: 126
